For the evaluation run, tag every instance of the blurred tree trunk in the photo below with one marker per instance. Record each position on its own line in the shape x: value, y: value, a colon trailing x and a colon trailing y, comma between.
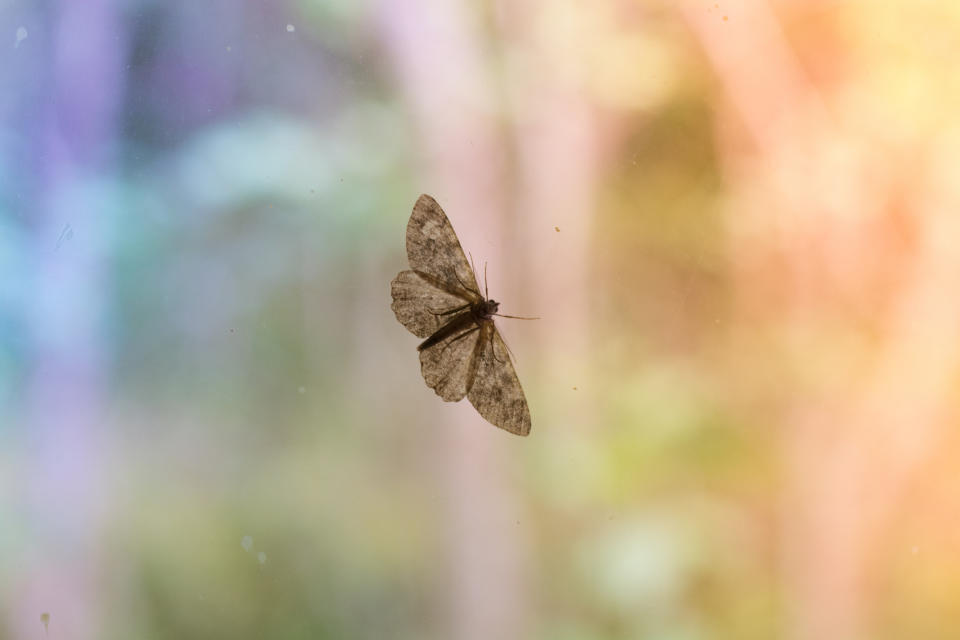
x: 847, y: 450
x: 557, y: 142
x: 75, y: 134
x: 436, y: 48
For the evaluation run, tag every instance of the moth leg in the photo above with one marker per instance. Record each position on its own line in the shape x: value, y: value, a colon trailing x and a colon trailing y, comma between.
x: 446, y: 313
x: 459, y: 337
x: 494, y: 350
x: 457, y: 276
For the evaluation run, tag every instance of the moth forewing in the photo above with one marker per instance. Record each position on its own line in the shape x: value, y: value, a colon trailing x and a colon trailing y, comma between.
x: 421, y: 306
x: 434, y: 250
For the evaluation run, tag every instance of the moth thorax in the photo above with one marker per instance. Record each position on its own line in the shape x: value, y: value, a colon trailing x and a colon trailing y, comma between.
x: 489, y: 307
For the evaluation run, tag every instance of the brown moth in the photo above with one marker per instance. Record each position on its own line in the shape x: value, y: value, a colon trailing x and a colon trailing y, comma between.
x: 439, y: 299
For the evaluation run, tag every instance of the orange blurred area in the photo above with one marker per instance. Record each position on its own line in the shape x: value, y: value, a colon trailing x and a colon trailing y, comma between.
x: 737, y: 223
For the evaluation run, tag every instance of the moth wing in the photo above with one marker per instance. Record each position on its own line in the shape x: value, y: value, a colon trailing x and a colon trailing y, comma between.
x: 417, y: 303
x: 496, y: 392
x: 434, y: 250
x: 448, y: 366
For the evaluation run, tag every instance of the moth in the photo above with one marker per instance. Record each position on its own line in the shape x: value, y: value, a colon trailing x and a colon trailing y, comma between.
x: 439, y: 299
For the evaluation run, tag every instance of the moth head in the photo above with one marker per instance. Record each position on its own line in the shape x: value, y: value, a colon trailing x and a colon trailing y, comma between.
x: 490, y: 307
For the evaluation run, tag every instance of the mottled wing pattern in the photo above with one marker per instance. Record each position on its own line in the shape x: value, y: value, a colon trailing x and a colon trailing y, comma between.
x: 434, y: 250
x: 448, y: 366
x: 418, y: 303
x: 496, y: 392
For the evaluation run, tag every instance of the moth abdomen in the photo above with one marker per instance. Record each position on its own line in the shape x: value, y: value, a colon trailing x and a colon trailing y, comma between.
x: 458, y: 323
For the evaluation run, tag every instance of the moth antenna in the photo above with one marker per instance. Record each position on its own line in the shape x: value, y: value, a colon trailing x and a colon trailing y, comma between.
x: 500, y: 315
x: 486, y: 291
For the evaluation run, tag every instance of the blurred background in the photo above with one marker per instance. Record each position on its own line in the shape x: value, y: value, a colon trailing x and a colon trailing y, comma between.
x: 737, y: 221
